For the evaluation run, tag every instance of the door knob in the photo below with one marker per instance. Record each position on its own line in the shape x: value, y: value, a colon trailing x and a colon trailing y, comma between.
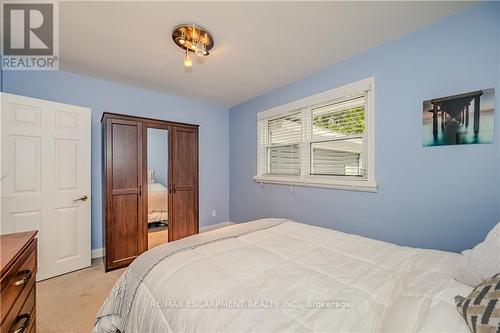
x: 83, y: 198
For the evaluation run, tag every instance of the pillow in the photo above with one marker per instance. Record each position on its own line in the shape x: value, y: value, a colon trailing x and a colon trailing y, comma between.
x: 481, y: 309
x: 481, y: 262
x: 151, y: 176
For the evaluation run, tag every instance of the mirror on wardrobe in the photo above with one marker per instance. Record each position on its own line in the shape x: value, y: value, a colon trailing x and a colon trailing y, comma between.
x: 157, y: 171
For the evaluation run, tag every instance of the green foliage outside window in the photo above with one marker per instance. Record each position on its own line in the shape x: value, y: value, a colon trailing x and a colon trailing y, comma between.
x: 346, y: 122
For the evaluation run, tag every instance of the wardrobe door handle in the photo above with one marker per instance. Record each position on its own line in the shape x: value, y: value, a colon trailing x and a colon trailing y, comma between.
x: 174, y: 188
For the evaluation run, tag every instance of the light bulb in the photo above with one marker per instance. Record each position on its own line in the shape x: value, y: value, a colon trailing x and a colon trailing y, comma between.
x: 182, y: 41
x: 188, y: 62
x: 199, y: 48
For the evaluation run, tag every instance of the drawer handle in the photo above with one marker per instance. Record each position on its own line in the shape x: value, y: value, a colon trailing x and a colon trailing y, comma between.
x: 27, y: 276
x: 21, y: 324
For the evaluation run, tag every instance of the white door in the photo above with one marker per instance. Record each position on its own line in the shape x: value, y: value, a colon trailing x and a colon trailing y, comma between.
x: 45, y: 170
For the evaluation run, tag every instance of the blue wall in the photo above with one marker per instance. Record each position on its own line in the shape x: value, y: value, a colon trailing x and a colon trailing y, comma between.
x: 158, y: 154
x: 441, y: 197
x: 103, y: 96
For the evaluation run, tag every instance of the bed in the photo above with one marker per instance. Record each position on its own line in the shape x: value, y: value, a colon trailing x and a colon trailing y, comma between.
x: 157, y: 203
x: 276, y: 275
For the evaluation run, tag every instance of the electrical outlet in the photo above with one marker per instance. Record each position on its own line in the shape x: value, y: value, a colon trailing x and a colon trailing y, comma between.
x: 214, y: 213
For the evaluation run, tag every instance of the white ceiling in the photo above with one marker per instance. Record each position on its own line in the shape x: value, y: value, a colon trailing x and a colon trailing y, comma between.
x: 259, y: 46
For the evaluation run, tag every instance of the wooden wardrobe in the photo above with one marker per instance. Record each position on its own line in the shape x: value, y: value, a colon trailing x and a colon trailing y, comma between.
x: 125, y: 180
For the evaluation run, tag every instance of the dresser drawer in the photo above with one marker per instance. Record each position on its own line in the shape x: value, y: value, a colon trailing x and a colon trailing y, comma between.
x: 23, y: 320
x: 32, y: 327
x: 17, y: 285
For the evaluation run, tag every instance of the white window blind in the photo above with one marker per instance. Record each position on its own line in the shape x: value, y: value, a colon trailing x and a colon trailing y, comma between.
x: 281, y: 138
x: 324, y: 139
x: 337, y: 138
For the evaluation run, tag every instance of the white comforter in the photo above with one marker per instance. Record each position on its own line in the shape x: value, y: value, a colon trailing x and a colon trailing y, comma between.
x: 157, y: 202
x: 299, y: 278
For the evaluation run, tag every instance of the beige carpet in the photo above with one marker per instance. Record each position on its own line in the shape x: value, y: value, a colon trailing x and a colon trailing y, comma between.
x: 69, y: 303
x: 156, y: 238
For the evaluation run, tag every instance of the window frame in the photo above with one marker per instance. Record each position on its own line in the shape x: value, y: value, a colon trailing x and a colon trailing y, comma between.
x: 367, y: 183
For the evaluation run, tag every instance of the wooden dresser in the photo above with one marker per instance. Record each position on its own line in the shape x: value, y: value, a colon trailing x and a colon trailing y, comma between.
x: 18, y: 265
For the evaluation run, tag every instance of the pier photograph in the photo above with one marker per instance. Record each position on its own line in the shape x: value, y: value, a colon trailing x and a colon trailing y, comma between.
x: 460, y: 119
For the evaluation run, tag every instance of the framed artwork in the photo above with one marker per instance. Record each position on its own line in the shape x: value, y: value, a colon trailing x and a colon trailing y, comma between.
x: 460, y: 119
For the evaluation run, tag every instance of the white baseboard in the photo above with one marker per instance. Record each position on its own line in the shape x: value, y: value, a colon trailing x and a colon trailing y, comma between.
x: 215, y: 226
x: 98, y: 253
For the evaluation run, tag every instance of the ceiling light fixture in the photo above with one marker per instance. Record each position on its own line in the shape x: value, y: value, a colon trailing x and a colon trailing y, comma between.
x: 192, y: 39
x: 188, y: 61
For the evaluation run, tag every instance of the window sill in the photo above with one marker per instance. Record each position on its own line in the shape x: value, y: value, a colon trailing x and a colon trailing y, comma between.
x: 338, y: 184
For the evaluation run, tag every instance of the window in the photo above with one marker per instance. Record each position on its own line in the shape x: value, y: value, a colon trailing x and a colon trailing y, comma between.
x: 281, y: 142
x: 324, y: 140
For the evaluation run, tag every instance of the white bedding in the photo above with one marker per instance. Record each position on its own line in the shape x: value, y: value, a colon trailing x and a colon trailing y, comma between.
x: 375, y: 286
x: 156, y: 187
x: 157, y: 203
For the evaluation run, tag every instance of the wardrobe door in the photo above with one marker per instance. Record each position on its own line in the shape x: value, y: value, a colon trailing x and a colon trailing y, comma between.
x: 184, y: 183
x: 123, y: 176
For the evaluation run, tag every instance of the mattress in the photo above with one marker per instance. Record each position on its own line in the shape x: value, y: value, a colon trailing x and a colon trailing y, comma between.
x: 293, y: 277
x: 157, y: 202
